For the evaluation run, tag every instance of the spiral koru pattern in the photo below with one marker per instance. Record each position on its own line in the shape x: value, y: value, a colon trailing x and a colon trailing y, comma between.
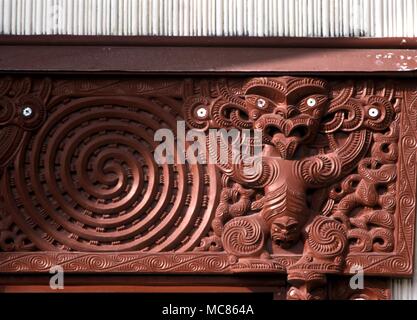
x: 243, y: 236
x: 87, y: 180
x: 327, y: 237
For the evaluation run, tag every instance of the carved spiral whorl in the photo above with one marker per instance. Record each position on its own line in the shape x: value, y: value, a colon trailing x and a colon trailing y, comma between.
x: 243, y: 236
x: 327, y: 237
x: 89, y: 181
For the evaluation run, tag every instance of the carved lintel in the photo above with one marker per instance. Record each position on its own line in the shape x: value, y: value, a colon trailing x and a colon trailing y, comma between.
x: 334, y: 186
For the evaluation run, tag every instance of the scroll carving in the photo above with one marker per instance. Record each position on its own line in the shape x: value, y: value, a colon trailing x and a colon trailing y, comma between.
x: 335, y: 185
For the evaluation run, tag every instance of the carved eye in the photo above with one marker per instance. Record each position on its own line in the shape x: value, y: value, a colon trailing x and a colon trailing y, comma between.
x: 261, y: 103
x: 201, y: 112
x: 27, y: 112
x: 373, y: 112
x: 276, y: 229
x: 292, y: 227
x: 311, y: 102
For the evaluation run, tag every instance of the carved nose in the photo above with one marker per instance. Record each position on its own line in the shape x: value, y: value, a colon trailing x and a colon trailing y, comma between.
x: 287, y: 111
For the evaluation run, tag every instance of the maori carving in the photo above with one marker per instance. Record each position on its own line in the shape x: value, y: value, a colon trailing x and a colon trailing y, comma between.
x: 334, y: 186
x: 314, y: 138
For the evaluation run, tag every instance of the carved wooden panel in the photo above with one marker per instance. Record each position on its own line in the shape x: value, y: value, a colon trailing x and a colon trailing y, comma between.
x: 335, y: 186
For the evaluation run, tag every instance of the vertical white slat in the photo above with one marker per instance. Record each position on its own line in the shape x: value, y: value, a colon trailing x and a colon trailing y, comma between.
x: 285, y: 18
x: 87, y: 16
x: 270, y: 23
x: 274, y: 22
x: 414, y: 33
x: 204, y: 18
x: 57, y: 18
x: 164, y: 22
x: 295, y: 18
x: 319, y: 18
x: 291, y: 16
x: 366, y: 18
x: 280, y: 17
x: 193, y: 18
x: 27, y: 20
x: 135, y: 18
x: 356, y: 18
x: 245, y: 17
x: 180, y: 31
x: 317, y: 27
x: 160, y: 17
x: 48, y: 9
x: 385, y: 18
x: 187, y: 18
x: 378, y: 18
x: 38, y: 14
x: 7, y: 17
x: 17, y: 16
x: 410, y: 18
x: 210, y: 17
x: 251, y: 12
x: 346, y: 13
x: 390, y: 13
x: 219, y: 17
x: 104, y: 18
x: 325, y: 19
x: 231, y: 18
x: 266, y: 18
x: 57, y: 11
x: 114, y: 16
x: 2, y: 12
x: 239, y: 19
x: 128, y: 17
x: 167, y: 16
x: 199, y: 17
x: 154, y: 15
x: 75, y: 20
x: 94, y: 14
x: 63, y: 16
x: 331, y: 18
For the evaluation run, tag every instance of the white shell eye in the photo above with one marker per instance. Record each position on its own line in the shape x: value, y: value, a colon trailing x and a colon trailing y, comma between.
x: 261, y: 103
x: 201, y: 112
x: 373, y: 112
x: 27, y: 111
x: 311, y: 102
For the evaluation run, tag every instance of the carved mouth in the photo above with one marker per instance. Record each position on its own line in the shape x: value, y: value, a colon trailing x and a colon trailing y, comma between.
x: 287, y: 139
x: 283, y: 242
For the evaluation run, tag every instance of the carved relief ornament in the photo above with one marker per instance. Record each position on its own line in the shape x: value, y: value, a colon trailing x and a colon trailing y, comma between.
x: 336, y: 189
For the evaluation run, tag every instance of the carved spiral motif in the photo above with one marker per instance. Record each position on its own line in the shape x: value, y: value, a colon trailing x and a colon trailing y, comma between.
x: 327, y: 237
x: 243, y: 236
x: 88, y: 181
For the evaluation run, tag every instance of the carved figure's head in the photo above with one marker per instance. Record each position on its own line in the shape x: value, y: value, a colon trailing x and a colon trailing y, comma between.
x: 285, y: 231
x: 286, y: 213
x: 288, y: 110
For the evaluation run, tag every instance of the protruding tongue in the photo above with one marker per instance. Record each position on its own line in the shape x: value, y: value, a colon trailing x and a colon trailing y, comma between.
x: 286, y: 146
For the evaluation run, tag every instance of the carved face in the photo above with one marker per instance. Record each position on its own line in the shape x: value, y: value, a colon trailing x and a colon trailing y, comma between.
x: 288, y: 111
x: 285, y: 231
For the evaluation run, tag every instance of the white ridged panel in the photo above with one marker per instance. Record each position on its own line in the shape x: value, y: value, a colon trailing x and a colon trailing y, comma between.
x: 295, y: 18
